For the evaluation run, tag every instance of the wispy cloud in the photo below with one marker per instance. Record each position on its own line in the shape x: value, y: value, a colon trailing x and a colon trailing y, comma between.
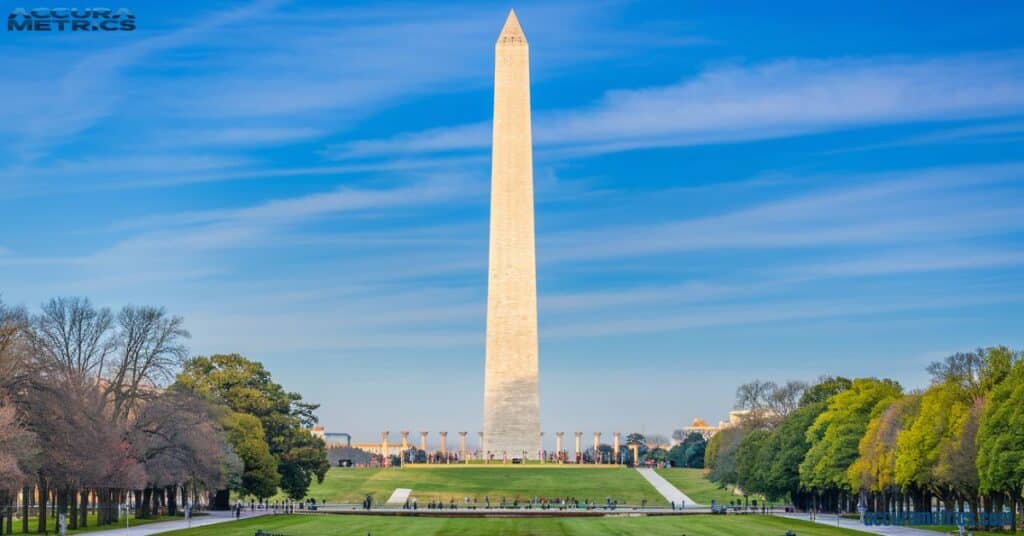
x: 884, y: 209
x: 904, y: 262
x: 89, y: 89
x: 777, y: 99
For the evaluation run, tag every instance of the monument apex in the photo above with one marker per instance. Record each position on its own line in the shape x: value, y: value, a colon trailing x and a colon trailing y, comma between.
x: 511, y: 394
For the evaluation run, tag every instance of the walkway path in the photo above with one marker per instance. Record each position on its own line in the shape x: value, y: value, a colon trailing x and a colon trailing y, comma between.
x: 666, y: 489
x: 856, y: 524
x: 399, y: 496
x: 178, y: 524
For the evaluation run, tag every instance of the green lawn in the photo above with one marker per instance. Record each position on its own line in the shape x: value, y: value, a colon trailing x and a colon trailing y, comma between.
x: 352, y: 485
x: 51, y: 524
x: 693, y: 483
x: 691, y: 525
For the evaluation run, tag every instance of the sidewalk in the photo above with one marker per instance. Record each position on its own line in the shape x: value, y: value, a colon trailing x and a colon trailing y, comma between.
x: 211, y: 518
x: 854, y: 524
x: 666, y: 489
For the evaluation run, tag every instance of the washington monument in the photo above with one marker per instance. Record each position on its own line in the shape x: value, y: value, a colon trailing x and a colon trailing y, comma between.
x: 511, y: 397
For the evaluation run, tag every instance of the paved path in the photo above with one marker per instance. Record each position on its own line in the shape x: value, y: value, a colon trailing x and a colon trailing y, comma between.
x: 855, y: 524
x: 666, y: 489
x: 178, y: 524
x: 399, y: 496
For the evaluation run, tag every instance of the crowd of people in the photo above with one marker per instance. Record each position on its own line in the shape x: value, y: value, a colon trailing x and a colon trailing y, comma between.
x: 536, y: 503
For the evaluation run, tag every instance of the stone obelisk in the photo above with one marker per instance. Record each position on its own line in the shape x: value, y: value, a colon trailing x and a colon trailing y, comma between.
x: 511, y: 397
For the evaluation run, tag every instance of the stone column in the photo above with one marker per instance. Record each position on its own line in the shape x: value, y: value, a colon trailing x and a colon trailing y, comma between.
x: 444, y: 444
x: 480, y: 446
x: 423, y: 442
x: 579, y: 451
x: 615, y: 446
x: 405, y: 440
x: 636, y: 454
x: 384, y: 448
x: 597, y: 443
x: 462, y: 446
x: 558, y: 446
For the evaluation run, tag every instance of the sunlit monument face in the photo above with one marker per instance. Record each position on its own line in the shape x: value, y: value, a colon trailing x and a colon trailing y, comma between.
x: 511, y: 398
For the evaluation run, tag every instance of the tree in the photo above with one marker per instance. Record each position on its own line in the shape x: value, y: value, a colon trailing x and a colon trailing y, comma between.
x: 937, y: 452
x: 720, y: 456
x: 259, y: 477
x: 150, y: 349
x: 17, y: 450
x: 825, y: 388
x: 639, y: 440
x: 75, y: 336
x: 176, y: 438
x: 836, y: 433
x: 305, y: 459
x: 769, y: 401
x: 245, y: 386
x: 1000, y: 440
x: 874, y: 470
x: 689, y: 452
x: 753, y: 460
x: 786, y: 449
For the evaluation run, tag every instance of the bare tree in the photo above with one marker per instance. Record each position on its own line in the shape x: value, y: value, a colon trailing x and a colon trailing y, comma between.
x: 14, y: 333
x: 149, y: 352
x: 962, y: 367
x: 177, y: 439
x: 786, y: 398
x: 74, y: 336
x: 768, y: 402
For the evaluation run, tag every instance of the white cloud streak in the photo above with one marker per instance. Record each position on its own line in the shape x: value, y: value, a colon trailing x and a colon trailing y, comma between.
x: 777, y: 99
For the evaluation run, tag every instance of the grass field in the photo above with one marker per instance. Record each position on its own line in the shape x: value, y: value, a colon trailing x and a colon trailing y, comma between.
x: 693, y: 525
x: 698, y: 488
x: 352, y: 485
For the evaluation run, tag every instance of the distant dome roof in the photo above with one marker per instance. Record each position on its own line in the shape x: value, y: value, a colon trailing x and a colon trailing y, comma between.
x: 698, y: 422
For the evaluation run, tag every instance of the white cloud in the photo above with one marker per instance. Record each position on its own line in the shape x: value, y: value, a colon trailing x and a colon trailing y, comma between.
x: 781, y: 98
x: 883, y: 209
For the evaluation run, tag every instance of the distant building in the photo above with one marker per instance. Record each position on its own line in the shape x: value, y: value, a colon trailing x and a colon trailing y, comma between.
x: 331, y: 439
x: 394, y: 449
x: 701, y: 426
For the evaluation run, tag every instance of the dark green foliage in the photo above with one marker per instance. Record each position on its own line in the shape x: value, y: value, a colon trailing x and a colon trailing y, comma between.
x: 245, y: 386
x: 689, y: 453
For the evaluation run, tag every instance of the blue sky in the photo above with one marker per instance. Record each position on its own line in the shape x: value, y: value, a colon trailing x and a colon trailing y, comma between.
x: 723, y: 193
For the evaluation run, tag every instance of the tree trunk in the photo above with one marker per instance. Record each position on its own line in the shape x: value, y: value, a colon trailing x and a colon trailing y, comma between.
x: 1013, y: 512
x: 172, y: 500
x: 83, y: 508
x: 44, y: 496
x: 72, y: 509
x: 142, y: 509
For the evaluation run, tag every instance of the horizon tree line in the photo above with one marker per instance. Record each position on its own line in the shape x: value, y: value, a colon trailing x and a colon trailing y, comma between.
x: 844, y: 444
x: 98, y: 409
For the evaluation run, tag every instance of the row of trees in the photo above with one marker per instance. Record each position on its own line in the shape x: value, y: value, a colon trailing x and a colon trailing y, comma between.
x: 98, y: 407
x: 840, y: 444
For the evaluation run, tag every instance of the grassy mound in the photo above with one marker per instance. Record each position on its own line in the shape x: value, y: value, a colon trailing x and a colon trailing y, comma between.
x: 352, y: 485
x: 692, y: 483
